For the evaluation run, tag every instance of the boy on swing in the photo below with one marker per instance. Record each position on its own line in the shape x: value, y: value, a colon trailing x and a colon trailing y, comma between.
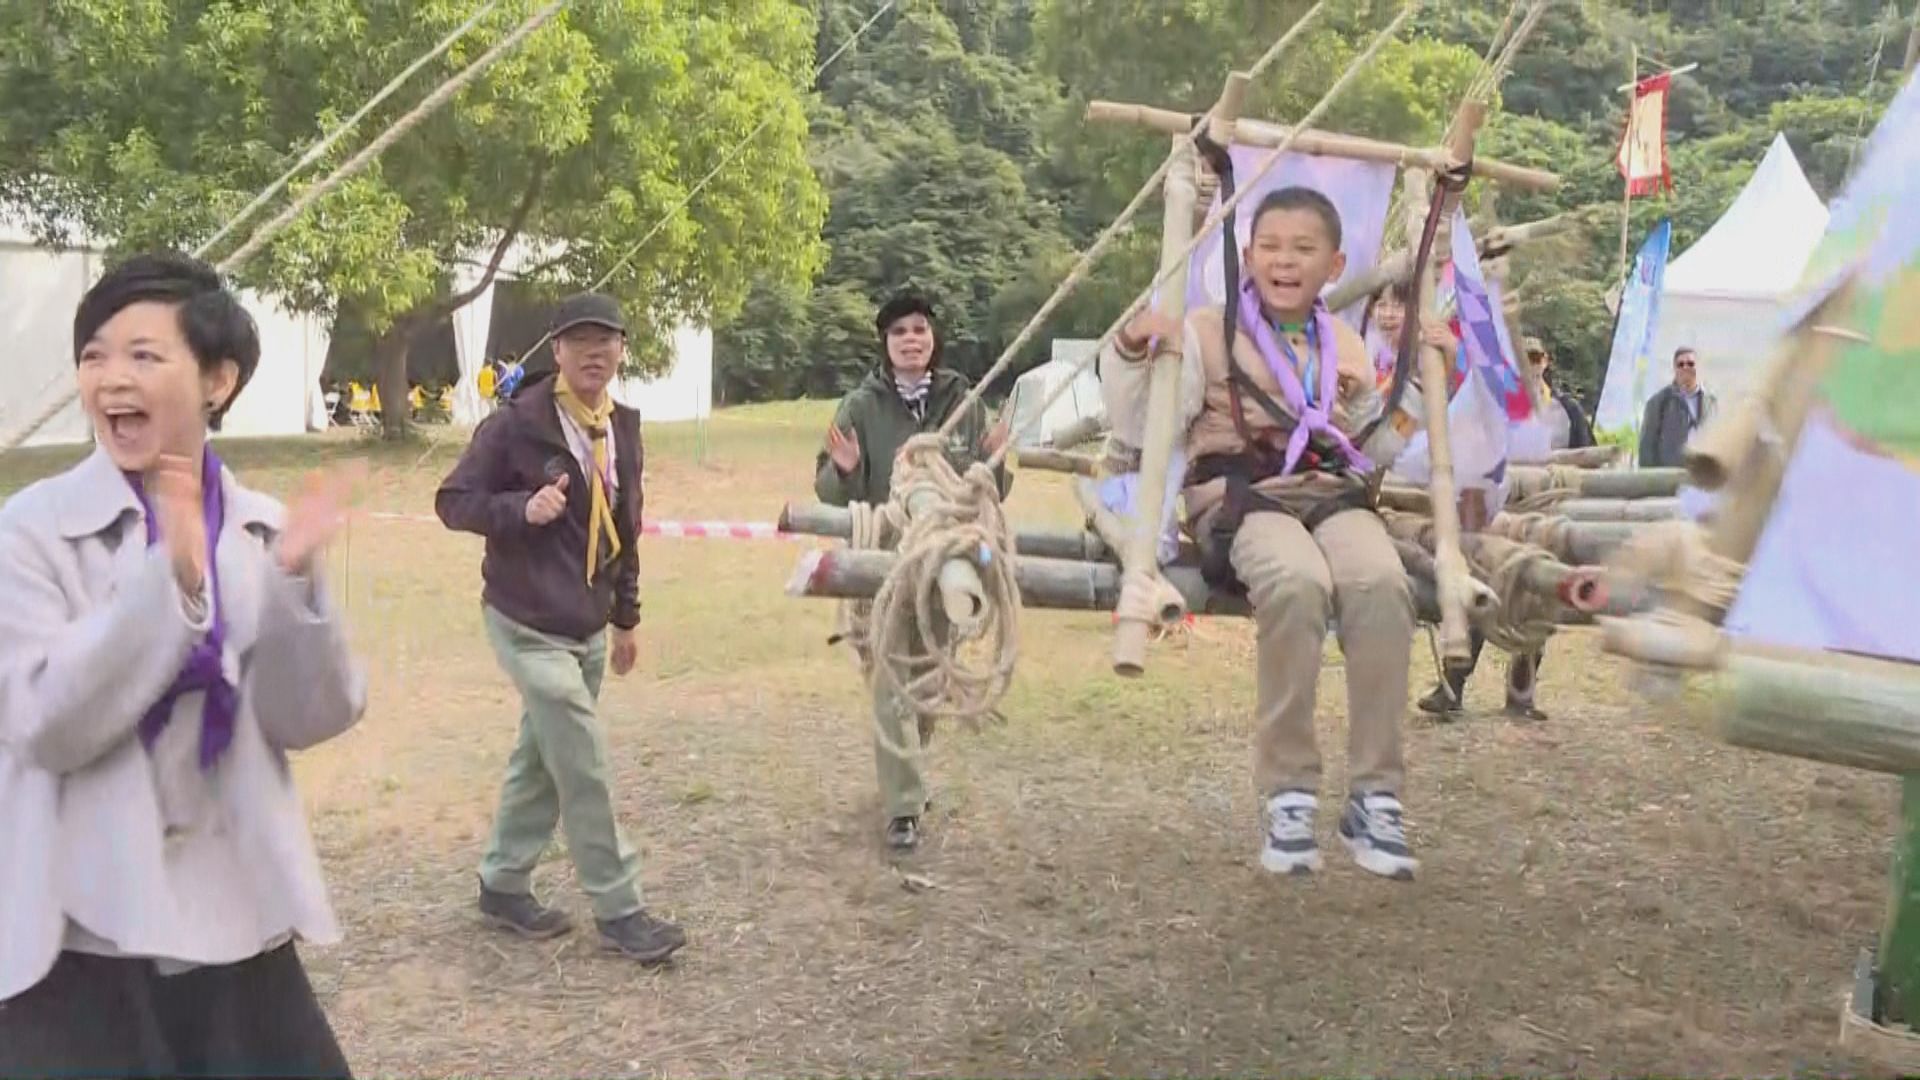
x: 1277, y: 494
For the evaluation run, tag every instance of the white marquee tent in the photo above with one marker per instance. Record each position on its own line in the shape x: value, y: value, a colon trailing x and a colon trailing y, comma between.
x: 685, y: 392
x: 1723, y: 295
x: 1033, y: 426
x: 39, y: 289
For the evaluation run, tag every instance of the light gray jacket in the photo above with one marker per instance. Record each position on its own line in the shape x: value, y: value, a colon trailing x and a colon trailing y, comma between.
x: 110, y: 847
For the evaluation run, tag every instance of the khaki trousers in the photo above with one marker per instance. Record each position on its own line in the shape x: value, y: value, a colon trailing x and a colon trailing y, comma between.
x: 1346, y: 570
x: 900, y: 741
x: 559, y: 775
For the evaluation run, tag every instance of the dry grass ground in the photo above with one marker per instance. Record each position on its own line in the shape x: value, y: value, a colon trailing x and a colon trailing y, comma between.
x: 1610, y: 893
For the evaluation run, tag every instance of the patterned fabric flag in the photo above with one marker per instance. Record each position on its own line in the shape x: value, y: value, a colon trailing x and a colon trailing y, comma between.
x: 1642, y: 158
x: 1836, y: 566
x: 1491, y: 420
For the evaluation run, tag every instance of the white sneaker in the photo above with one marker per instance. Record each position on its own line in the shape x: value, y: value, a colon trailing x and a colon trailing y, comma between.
x: 1373, y: 831
x: 1291, y: 847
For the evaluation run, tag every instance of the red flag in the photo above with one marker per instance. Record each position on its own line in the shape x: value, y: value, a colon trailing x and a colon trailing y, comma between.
x: 1642, y: 158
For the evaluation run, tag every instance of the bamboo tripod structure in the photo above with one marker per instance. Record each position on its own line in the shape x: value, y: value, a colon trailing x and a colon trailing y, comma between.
x: 1454, y: 581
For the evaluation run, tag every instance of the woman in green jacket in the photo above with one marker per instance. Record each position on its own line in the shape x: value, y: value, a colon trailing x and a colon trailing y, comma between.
x: 906, y: 393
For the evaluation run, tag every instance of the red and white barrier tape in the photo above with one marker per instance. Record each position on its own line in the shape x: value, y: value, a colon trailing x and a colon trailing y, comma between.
x: 670, y: 530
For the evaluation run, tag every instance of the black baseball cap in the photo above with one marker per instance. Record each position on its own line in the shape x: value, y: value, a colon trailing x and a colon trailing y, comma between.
x: 588, y: 309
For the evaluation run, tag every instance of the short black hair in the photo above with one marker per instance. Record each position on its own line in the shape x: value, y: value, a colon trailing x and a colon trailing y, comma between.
x: 212, y: 319
x: 1401, y: 291
x: 899, y: 306
x: 1684, y: 350
x: 1300, y: 198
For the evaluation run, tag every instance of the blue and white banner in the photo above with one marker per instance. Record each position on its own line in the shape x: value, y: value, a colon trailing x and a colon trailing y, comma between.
x: 1624, y: 394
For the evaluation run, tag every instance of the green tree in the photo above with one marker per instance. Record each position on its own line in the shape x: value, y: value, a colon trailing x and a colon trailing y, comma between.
x: 148, y: 122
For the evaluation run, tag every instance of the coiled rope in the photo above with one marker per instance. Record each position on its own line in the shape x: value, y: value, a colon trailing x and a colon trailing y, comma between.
x: 923, y: 654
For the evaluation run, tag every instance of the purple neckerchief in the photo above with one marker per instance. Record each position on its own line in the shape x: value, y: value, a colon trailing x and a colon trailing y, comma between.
x: 203, y: 670
x: 1313, y: 418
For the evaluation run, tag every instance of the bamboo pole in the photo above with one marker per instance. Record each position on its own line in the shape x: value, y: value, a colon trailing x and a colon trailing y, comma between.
x: 1105, y: 524
x: 1635, y: 510
x: 1899, y: 958
x: 1134, y: 629
x: 1449, y: 562
x: 1085, y: 429
x: 1587, y: 457
x: 1055, y: 461
x: 1531, y: 480
x: 1112, y: 533
x: 1066, y: 585
x: 836, y: 523
x: 1913, y: 44
x: 1321, y: 143
x: 1578, y: 543
x: 1393, y: 268
x: 1578, y: 587
x: 1626, y: 179
x: 1825, y: 706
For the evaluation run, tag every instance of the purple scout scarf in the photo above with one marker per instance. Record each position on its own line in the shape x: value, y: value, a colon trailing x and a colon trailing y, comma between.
x: 203, y: 670
x: 1314, y: 418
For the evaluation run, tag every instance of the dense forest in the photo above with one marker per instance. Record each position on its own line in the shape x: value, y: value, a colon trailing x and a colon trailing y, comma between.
x: 950, y: 145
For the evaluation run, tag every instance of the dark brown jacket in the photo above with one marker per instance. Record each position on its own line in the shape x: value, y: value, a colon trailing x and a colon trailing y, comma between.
x: 536, y: 574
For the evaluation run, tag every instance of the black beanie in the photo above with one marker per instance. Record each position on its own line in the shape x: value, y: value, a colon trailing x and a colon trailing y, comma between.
x: 899, y: 306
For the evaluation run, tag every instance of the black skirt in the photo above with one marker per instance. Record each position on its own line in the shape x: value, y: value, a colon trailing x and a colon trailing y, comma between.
x: 98, y: 1017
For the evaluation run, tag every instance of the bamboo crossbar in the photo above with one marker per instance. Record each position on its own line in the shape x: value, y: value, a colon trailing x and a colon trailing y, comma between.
x: 1393, y: 267
x: 1832, y: 707
x: 1324, y: 143
x: 1059, y: 461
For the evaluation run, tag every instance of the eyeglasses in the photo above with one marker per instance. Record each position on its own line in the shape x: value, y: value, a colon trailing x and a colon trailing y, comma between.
x: 1686, y: 364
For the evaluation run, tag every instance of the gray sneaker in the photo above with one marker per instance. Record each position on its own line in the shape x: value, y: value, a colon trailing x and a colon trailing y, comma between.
x: 522, y: 914
x: 642, y: 937
x: 1373, y: 830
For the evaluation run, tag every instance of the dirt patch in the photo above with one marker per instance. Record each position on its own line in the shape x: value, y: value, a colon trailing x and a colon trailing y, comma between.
x: 1610, y: 893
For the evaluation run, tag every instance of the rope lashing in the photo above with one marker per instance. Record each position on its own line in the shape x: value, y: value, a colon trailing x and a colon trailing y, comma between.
x: 1674, y: 556
x: 921, y: 649
x: 1524, y: 618
x: 1562, y: 483
x: 1550, y: 531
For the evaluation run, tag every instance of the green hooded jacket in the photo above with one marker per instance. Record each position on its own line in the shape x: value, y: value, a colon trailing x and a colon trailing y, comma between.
x: 874, y: 412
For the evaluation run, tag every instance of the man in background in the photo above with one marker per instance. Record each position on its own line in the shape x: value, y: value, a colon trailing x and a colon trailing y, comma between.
x: 552, y: 481
x: 1675, y: 413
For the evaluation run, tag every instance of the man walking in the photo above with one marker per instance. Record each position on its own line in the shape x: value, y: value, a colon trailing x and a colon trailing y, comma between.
x: 1675, y: 413
x: 552, y: 481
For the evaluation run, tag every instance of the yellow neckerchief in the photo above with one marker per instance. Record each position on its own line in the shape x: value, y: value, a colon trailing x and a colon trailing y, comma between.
x: 594, y: 423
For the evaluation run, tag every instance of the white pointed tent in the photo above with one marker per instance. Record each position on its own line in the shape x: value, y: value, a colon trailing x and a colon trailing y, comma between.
x: 40, y: 287
x: 1722, y: 296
